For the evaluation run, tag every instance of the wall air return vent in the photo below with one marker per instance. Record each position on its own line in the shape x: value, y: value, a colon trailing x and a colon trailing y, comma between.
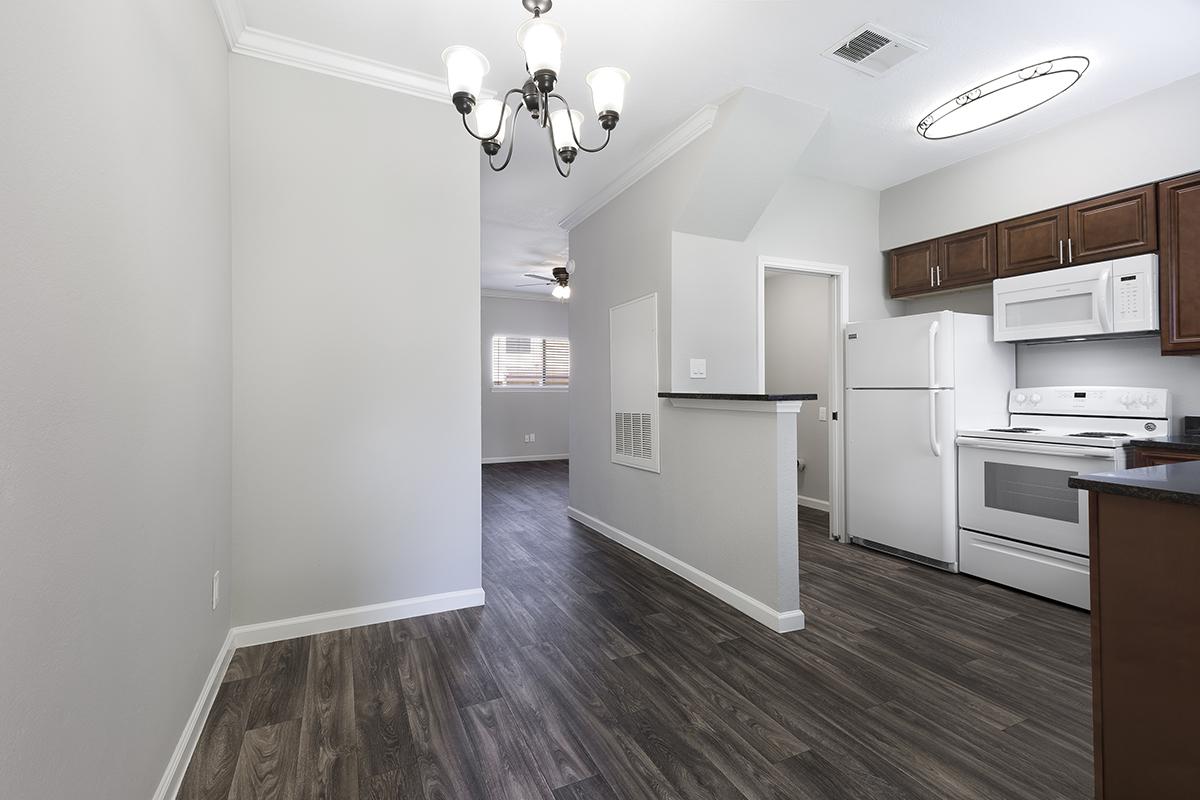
x: 633, y: 350
x: 634, y: 435
x: 873, y: 50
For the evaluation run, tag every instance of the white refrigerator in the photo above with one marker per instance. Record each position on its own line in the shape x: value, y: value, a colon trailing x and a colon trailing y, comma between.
x: 911, y: 383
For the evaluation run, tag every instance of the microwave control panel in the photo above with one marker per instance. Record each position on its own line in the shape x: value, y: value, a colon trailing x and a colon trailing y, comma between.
x: 1135, y: 293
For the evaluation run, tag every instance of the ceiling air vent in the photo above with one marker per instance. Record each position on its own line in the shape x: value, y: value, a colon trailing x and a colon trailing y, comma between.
x: 873, y: 50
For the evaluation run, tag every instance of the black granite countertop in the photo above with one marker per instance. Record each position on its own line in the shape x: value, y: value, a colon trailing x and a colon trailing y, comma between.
x: 753, y: 397
x: 1170, y: 483
x: 1185, y: 444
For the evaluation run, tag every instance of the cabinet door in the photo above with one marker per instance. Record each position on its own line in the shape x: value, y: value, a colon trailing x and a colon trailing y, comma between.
x: 1179, y: 265
x: 1032, y: 243
x: 1148, y: 457
x: 966, y: 258
x: 912, y: 268
x: 1113, y: 226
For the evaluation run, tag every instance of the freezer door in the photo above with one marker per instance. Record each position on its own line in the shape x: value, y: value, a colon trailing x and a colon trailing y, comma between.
x: 914, y: 352
x: 900, y: 471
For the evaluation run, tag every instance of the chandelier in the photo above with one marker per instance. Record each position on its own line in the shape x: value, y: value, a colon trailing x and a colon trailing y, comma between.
x: 542, y: 42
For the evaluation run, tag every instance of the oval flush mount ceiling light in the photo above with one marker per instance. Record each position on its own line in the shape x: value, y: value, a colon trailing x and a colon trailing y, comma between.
x: 1002, y: 98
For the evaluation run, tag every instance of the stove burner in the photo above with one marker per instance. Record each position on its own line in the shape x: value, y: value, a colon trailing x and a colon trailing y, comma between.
x: 1014, y: 430
x: 1100, y: 435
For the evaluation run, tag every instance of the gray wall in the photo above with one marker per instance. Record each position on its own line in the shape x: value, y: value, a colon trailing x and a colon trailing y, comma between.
x: 1141, y: 140
x: 356, y: 345
x: 797, y: 360
x: 114, y: 388
x: 509, y: 415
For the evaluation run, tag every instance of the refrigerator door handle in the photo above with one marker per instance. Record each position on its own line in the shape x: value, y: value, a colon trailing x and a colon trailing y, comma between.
x: 933, y: 329
x: 934, y: 444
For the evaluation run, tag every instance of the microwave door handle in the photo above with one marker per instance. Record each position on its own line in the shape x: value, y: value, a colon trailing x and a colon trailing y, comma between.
x: 934, y: 444
x: 933, y: 330
x: 1104, y: 299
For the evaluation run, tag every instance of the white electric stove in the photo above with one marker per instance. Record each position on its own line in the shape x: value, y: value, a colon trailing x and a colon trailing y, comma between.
x: 1020, y: 524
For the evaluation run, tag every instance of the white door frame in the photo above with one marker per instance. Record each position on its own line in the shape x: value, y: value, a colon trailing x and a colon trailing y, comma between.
x: 838, y: 317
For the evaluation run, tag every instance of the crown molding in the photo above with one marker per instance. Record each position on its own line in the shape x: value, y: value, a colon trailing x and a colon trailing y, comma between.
x: 506, y: 294
x: 693, y: 128
x: 257, y: 43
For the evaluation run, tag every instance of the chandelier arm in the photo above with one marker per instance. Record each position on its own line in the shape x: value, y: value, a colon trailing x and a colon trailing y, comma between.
x: 607, y: 134
x: 499, y: 127
x: 554, y: 153
x: 512, y: 140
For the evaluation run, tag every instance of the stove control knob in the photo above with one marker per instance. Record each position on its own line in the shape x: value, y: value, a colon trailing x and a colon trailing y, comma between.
x: 1035, y: 398
x: 1020, y: 398
x: 1147, y: 399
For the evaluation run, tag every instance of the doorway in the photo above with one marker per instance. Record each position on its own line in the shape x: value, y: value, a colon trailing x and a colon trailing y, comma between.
x: 802, y: 308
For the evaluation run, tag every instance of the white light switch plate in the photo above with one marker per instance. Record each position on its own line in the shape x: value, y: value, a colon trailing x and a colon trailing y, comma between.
x: 822, y: 413
x: 698, y: 368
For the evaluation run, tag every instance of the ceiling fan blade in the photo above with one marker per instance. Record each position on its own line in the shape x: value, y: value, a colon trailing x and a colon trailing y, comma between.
x: 520, y: 285
x: 545, y: 278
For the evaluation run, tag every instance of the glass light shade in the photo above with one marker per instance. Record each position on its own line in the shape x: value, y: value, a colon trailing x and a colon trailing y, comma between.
x: 561, y: 292
x: 608, y: 89
x: 487, y: 118
x: 542, y: 42
x: 465, y: 68
x: 1002, y: 98
x: 562, y: 125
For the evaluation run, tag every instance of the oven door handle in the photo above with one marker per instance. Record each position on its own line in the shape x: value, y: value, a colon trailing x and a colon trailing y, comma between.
x: 1039, y: 449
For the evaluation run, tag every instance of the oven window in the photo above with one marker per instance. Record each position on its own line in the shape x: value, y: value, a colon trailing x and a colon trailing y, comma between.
x: 1048, y: 311
x: 1036, y: 491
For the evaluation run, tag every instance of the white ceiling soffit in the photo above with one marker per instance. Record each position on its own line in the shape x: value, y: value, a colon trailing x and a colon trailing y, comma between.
x: 695, y: 126
x: 248, y: 41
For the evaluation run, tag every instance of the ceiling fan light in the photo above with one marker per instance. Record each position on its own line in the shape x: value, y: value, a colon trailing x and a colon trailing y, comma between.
x: 608, y: 89
x: 562, y: 122
x: 465, y: 68
x: 561, y: 292
x: 487, y: 119
x: 1003, y: 98
x: 542, y: 42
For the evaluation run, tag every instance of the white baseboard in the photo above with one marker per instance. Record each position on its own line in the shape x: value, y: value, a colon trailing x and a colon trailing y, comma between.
x: 168, y: 787
x: 812, y: 502
x: 280, y: 629
x: 779, y: 621
x: 517, y: 459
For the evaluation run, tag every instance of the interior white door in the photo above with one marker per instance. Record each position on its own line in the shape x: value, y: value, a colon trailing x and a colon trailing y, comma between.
x: 901, y: 352
x: 900, y: 465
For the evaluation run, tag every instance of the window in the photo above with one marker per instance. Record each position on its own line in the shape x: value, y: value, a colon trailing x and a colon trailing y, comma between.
x: 530, y: 362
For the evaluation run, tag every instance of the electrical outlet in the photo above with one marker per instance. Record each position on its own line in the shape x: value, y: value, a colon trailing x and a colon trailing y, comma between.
x: 532, y: 438
x: 822, y: 413
x: 216, y: 594
x: 698, y: 368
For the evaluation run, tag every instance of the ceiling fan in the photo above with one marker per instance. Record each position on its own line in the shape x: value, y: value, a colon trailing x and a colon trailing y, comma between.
x: 559, y: 278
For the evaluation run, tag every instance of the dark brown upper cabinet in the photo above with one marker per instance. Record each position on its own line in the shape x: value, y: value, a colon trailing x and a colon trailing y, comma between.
x: 1031, y: 243
x: 912, y: 268
x: 1179, y: 265
x: 1113, y: 226
x: 966, y: 258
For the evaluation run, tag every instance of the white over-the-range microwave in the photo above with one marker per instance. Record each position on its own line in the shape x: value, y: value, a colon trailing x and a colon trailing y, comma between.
x: 1104, y: 299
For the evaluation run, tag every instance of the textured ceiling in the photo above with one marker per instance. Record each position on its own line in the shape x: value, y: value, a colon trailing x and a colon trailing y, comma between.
x: 687, y: 53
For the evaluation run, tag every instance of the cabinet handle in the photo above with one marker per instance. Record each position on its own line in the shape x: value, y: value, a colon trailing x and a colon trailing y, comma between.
x: 1060, y: 261
x: 1070, y: 251
x: 931, y: 277
x: 939, y: 275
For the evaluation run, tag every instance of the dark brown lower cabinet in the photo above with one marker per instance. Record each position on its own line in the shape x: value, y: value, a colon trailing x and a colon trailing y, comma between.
x: 1145, y: 574
x: 1179, y: 264
x: 1150, y: 456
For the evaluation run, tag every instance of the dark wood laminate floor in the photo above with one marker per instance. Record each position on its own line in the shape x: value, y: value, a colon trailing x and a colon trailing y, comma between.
x: 592, y: 673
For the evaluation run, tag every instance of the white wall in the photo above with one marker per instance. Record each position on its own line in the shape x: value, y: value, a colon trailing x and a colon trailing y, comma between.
x: 509, y: 415
x: 114, y: 388
x: 797, y: 307
x: 1139, y: 141
x: 356, y: 364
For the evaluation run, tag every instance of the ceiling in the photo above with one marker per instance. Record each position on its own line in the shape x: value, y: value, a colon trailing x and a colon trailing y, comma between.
x: 684, y: 54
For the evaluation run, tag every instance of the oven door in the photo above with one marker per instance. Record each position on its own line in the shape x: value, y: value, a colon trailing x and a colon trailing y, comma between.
x: 1019, y: 491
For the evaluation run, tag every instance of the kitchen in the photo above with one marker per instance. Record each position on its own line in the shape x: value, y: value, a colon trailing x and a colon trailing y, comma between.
x: 1051, y: 474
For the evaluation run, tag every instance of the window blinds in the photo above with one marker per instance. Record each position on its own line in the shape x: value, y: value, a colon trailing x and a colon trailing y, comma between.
x: 530, y: 361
